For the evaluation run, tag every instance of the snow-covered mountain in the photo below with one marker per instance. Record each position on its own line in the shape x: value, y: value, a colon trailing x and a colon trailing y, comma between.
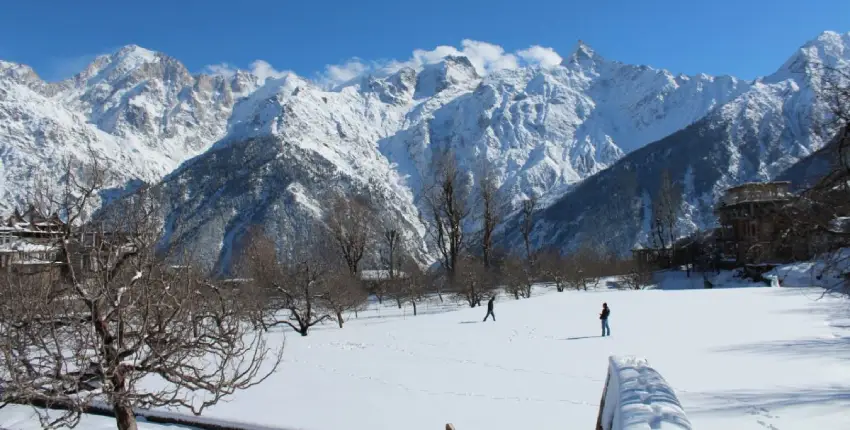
x: 760, y: 135
x: 141, y: 111
x: 539, y: 129
x: 272, y: 151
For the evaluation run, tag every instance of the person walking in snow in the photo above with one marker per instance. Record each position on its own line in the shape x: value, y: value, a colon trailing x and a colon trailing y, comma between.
x: 606, y: 331
x: 490, y: 309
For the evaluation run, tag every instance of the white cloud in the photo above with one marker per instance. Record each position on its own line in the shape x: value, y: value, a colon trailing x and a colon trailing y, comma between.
x: 263, y: 70
x: 538, y: 55
x: 223, y: 69
x: 259, y: 68
x: 345, y: 72
x: 485, y: 57
x: 421, y: 56
x: 488, y: 58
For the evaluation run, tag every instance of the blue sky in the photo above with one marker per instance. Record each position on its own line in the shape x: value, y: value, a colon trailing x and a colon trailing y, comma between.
x: 745, y: 38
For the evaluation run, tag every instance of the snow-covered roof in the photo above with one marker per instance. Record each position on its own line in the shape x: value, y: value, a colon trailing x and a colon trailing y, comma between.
x: 25, y: 227
x: 379, y: 275
x: 236, y: 280
x: 24, y: 246
x: 756, y: 192
x: 34, y: 262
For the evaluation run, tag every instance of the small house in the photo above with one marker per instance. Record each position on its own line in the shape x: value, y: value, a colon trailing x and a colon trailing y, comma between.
x: 750, y: 230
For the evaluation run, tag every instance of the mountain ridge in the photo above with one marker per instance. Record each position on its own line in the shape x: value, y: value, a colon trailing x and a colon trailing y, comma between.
x: 541, y: 130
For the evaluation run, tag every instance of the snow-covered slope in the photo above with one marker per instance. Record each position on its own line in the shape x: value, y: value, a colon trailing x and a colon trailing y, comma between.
x: 541, y: 129
x: 142, y: 111
x: 755, y: 137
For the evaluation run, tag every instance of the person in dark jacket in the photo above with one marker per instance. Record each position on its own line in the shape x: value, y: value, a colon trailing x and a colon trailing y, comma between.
x: 606, y: 331
x: 490, y: 309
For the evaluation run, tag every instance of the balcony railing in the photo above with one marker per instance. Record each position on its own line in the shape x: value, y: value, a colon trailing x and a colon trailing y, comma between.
x: 745, y: 196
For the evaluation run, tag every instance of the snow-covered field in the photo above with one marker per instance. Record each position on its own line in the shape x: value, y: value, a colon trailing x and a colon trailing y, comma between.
x: 738, y: 358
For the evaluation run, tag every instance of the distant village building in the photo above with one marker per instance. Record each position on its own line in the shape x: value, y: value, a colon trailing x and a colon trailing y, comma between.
x: 750, y: 230
x: 28, y: 241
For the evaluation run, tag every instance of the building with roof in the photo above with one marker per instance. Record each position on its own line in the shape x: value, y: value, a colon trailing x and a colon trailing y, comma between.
x: 28, y: 241
x: 750, y: 230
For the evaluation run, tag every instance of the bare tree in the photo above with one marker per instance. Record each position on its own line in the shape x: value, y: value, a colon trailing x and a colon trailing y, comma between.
x: 293, y: 286
x: 515, y: 277
x: 552, y: 266
x: 123, y: 310
x: 416, y: 283
x: 350, y: 226
x: 75, y: 195
x: 447, y: 201
x: 474, y: 281
x: 409, y: 286
x: 341, y: 292
x: 637, y: 276
x: 582, y: 268
x: 665, y: 214
x: 393, y: 257
x: 396, y: 290
x: 529, y: 205
x: 490, y: 207
x: 392, y: 253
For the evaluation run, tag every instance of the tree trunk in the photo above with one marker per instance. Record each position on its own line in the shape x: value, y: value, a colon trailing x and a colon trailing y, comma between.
x: 414, y: 307
x: 339, y: 319
x: 124, y: 417
x: 303, y: 331
x: 398, y: 302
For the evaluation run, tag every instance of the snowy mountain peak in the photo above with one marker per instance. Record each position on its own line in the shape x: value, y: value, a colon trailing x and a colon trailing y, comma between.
x: 583, y: 50
x: 829, y: 50
x: 136, y: 51
x: 453, y: 70
x: 19, y: 73
x: 544, y: 130
x: 396, y: 88
x: 581, y: 55
x: 124, y: 61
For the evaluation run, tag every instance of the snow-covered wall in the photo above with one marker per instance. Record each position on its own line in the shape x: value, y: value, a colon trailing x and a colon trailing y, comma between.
x: 636, y: 397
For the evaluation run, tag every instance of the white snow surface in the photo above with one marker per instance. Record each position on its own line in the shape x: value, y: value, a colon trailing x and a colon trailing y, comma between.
x: 737, y: 358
